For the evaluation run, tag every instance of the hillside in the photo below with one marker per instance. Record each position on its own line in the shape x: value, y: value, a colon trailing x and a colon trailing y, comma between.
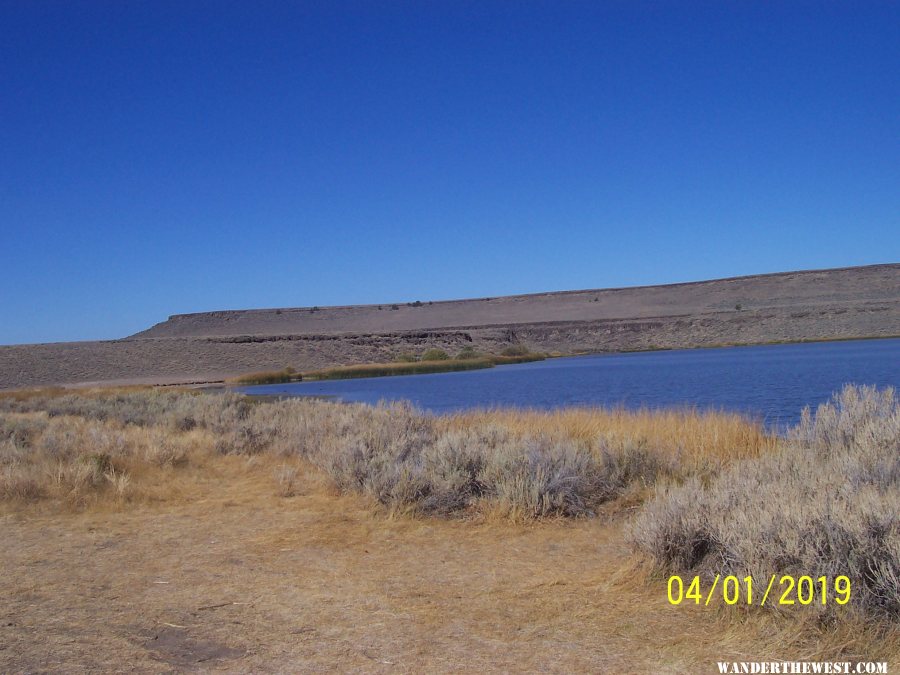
x: 844, y: 303
x: 809, y: 290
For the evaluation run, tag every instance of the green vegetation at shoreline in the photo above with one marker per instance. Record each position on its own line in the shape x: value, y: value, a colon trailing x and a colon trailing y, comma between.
x: 468, y: 359
x: 267, y: 377
x: 404, y: 367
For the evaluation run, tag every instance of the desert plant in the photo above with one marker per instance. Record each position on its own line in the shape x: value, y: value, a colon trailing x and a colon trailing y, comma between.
x: 268, y: 377
x: 825, y: 505
x: 286, y: 478
x: 19, y: 483
x: 542, y: 478
x: 165, y: 449
x: 120, y: 482
x: 21, y: 430
x: 397, y: 368
x: 528, y: 465
x: 467, y: 352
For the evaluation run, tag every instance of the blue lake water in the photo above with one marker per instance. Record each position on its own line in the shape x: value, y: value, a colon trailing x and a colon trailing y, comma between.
x: 769, y: 383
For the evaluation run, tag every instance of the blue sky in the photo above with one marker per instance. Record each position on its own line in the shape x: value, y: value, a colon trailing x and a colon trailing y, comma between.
x: 168, y: 157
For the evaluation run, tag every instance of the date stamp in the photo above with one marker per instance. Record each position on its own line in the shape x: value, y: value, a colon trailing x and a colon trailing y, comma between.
x: 784, y: 590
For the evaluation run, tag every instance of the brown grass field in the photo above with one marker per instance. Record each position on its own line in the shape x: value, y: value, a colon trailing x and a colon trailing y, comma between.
x: 156, y: 531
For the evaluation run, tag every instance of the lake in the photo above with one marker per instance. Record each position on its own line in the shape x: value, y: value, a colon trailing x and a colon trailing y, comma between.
x: 771, y: 383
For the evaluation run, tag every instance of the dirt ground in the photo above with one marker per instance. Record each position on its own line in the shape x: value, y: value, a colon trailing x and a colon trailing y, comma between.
x: 232, y: 578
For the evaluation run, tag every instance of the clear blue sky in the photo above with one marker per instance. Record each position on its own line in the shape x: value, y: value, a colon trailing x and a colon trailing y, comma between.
x: 167, y: 157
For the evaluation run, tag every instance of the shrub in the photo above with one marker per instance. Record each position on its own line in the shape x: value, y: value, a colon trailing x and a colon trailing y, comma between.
x: 527, y: 465
x: 165, y: 449
x: 268, y: 377
x: 630, y: 465
x: 19, y: 482
x: 397, y: 368
x: 247, y: 439
x: 542, y: 478
x: 63, y: 438
x: 516, y: 350
x: 22, y: 431
x: 408, y: 461
x: 435, y: 355
x: 286, y: 477
x: 824, y: 505
x: 467, y: 352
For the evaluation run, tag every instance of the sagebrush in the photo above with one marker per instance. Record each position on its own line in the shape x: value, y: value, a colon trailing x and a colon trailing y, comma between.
x: 524, y: 465
x: 826, y: 503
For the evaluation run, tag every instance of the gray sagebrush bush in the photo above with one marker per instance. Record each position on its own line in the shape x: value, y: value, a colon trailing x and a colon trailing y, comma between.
x: 827, y: 504
x: 405, y: 459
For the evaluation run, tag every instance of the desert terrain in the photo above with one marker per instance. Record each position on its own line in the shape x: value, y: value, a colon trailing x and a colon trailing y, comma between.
x: 845, y: 303
x: 158, y: 530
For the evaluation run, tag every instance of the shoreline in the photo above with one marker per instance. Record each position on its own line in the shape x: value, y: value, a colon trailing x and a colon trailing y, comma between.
x: 546, y: 357
x: 203, y: 382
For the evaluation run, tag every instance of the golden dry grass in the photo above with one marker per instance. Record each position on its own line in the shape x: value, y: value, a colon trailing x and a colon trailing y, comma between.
x: 238, y: 553
x: 677, y: 434
x: 223, y: 570
x: 826, y: 504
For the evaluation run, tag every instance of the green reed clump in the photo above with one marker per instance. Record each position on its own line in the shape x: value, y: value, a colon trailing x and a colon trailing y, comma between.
x: 402, y: 368
x: 268, y: 377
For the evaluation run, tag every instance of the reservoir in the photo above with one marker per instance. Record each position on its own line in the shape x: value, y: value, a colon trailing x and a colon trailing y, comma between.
x: 771, y: 383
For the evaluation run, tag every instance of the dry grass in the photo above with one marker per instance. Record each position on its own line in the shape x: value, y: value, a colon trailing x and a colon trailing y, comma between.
x: 268, y: 377
x: 516, y: 464
x: 225, y: 575
x: 683, y: 437
x: 825, y: 504
x: 281, y: 507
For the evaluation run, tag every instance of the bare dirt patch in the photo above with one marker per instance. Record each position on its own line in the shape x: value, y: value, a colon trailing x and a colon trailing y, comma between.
x: 241, y: 580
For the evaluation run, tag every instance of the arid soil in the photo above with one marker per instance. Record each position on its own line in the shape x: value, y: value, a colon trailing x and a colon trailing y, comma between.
x: 796, y: 306
x: 239, y: 580
x: 150, y: 530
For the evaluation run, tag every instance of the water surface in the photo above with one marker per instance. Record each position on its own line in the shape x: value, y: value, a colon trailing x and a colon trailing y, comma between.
x: 771, y: 383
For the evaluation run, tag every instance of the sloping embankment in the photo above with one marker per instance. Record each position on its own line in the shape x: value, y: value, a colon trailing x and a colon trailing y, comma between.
x: 832, y: 304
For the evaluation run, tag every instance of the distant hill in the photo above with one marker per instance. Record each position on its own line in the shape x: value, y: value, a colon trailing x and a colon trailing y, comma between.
x: 850, y: 287
x: 854, y: 302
